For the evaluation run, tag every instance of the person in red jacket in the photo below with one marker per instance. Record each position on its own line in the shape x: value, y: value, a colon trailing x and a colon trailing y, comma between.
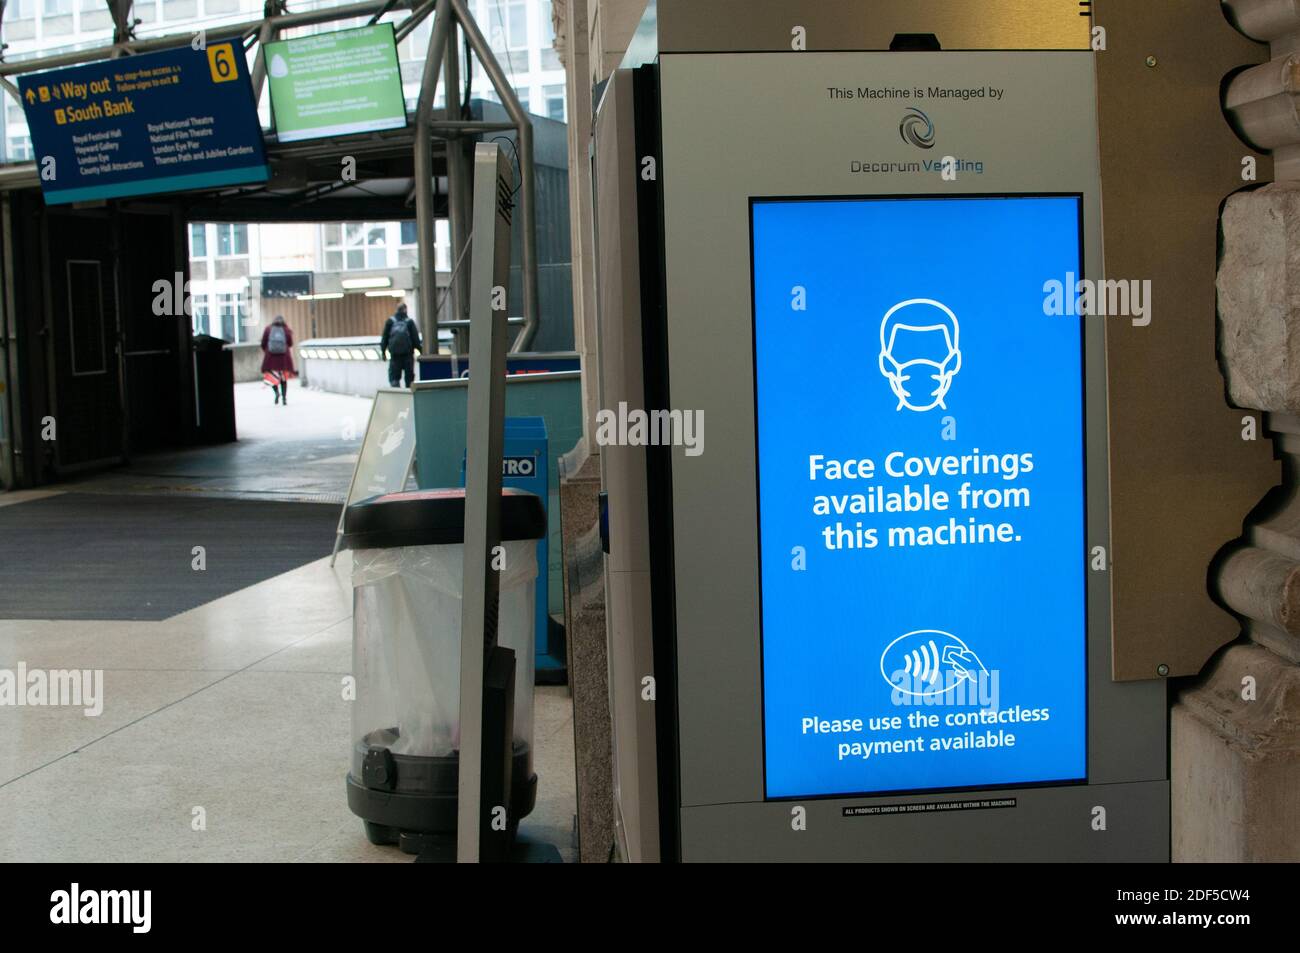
x: 277, y: 358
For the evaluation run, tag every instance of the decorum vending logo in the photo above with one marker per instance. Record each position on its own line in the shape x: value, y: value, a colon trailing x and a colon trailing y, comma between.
x: 919, y: 341
x: 917, y: 129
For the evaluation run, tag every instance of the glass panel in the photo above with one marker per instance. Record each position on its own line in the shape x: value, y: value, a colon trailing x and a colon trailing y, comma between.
x: 517, y: 25
x: 356, y: 258
x: 442, y: 245
x: 548, y: 24
x: 198, y: 240
x: 555, y: 102
x: 333, y: 234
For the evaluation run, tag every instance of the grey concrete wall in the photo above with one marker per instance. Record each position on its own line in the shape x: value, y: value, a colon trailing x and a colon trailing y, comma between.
x: 355, y: 378
x: 248, y: 362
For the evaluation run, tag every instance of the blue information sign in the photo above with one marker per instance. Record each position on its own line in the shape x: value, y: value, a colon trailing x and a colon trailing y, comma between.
x: 921, y: 496
x: 158, y: 122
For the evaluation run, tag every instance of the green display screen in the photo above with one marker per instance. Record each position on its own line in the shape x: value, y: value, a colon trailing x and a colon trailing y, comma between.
x: 333, y: 84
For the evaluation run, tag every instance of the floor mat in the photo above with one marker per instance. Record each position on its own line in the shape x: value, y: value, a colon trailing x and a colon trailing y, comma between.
x: 94, y: 556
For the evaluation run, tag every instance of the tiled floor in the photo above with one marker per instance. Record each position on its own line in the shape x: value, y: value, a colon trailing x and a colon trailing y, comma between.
x: 224, y: 733
x: 235, y: 708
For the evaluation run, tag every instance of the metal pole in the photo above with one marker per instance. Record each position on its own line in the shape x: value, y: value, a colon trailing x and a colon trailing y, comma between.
x: 12, y: 90
x: 120, y: 10
x: 485, y: 425
x: 417, y: 16
x: 470, y: 125
x: 264, y: 36
x: 528, y: 202
x: 458, y: 186
x: 11, y: 408
x: 424, y: 220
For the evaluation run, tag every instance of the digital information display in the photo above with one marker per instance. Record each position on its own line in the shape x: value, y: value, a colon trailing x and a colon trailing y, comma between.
x: 921, y: 494
x: 156, y: 122
x: 334, y: 84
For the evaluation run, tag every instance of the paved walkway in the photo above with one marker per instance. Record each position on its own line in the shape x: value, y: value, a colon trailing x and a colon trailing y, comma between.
x: 224, y: 733
x: 302, y: 452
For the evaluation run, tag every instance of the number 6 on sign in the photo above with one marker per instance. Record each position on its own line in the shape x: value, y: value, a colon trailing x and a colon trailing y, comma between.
x: 221, y: 62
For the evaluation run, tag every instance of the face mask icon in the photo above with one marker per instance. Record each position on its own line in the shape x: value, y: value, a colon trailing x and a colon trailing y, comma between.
x: 920, y: 353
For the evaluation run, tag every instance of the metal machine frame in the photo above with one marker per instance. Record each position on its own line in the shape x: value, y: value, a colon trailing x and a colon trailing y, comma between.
x: 715, y: 95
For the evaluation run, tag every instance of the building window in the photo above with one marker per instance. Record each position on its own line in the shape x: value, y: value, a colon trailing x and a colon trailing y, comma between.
x: 20, y: 148
x: 54, y: 8
x: 232, y: 240
x: 407, y: 244
x: 548, y: 25
x: 355, y: 245
x: 442, y: 245
x: 554, y: 102
x: 516, y: 17
x: 20, y: 9
x: 232, y: 311
x: 508, y: 21
x: 198, y: 241
x: 200, y: 315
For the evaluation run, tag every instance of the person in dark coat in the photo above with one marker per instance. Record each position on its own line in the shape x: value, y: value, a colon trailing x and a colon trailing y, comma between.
x: 277, y: 358
x: 398, y: 343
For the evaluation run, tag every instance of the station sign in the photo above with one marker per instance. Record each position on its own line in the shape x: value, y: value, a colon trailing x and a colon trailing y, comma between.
x: 169, y: 121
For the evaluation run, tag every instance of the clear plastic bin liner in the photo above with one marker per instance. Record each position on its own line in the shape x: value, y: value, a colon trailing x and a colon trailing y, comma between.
x: 406, y: 643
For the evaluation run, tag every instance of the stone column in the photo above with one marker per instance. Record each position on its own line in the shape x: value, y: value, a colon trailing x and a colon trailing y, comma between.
x: 1235, y: 746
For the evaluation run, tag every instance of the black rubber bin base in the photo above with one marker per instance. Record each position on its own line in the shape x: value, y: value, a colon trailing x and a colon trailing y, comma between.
x: 424, y: 802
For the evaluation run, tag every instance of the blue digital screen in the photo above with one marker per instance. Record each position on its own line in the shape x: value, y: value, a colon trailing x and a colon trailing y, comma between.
x: 921, y: 494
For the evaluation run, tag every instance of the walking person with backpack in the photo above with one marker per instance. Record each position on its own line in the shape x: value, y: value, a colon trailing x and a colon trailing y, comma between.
x: 277, y: 358
x: 398, y: 343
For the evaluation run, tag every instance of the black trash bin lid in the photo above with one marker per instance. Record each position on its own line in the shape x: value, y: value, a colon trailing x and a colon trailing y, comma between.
x: 434, y: 518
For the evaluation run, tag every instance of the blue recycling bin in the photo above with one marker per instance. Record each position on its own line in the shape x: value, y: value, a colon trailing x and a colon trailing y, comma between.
x: 524, y: 466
